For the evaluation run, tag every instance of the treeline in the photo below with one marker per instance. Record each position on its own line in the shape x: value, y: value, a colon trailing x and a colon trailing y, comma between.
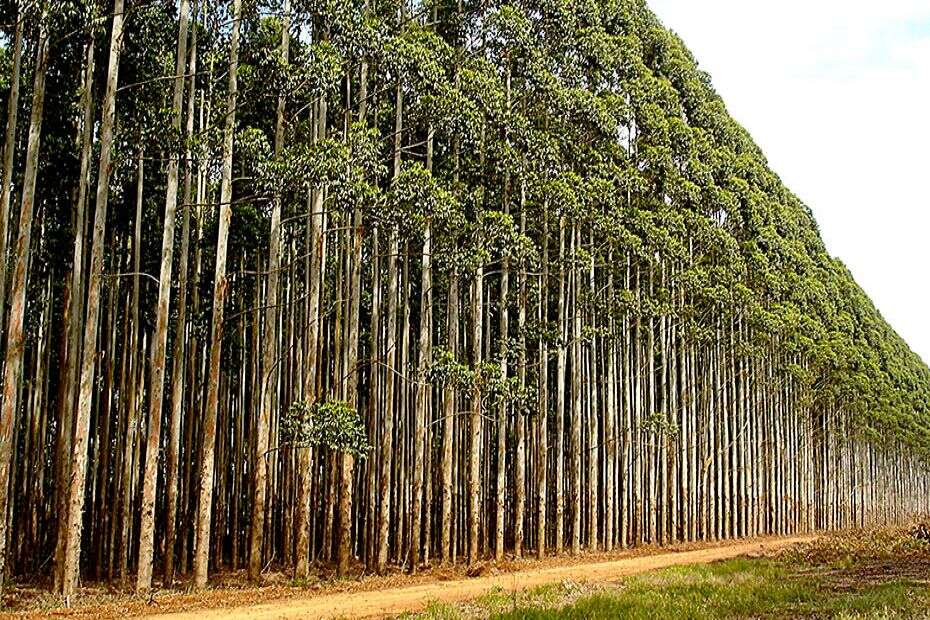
x: 392, y: 283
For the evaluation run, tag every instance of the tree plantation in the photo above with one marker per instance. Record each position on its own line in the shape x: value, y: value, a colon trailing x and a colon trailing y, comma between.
x: 380, y: 284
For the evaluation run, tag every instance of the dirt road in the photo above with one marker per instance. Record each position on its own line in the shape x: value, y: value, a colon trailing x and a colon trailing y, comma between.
x: 380, y: 603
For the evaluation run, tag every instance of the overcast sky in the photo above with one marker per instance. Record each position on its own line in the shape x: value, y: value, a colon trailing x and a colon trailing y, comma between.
x: 837, y: 94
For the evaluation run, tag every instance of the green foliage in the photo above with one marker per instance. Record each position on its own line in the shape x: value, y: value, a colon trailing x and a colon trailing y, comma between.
x: 486, y: 378
x: 660, y: 423
x: 333, y: 424
x: 416, y: 198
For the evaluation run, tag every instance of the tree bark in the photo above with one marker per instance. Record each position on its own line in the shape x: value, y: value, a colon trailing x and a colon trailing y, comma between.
x: 269, y: 352
x: 424, y: 394
x: 160, y: 344
x: 542, y: 440
x: 85, y: 397
x: 448, y: 420
x: 75, y: 314
x: 9, y: 149
x: 15, y: 328
x: 474, y: 417
x: 178, y: 356
x: 207, y: 465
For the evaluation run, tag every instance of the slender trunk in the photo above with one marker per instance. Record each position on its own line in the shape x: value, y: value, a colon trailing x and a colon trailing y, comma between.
x: 344, y: 550
x: 269, y: 351
x: 610, y: 417
x: 519, y: 419
x: 9, y: 148
x: 474, y: 417
x: 502, y: 418
x: 576, y: 396
x: 594, y: 414
x: 75, y: 314
x: 424, y: 391
x: 390, y: 354
x: 501, y: 481
x: 560, y: 399
x: 448, y: 419
x: 160, y: 344
x: 15, y: 328
x: 82, y: 421
x: 542, y: 440
x: 135, y: 389
x: 178, y: 356
x: 317, y: 268
x: 205, y: 506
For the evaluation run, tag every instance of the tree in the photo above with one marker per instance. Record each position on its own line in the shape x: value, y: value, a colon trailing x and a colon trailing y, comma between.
x: 207, y: 465
x: 270, y: 351
x: 71, y: 571
x: 12, y: 368
x: 159, y: 348
x: 450, y: 324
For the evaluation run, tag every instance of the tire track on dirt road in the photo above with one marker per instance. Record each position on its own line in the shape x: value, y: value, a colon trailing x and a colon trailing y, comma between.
x: 381, y: 603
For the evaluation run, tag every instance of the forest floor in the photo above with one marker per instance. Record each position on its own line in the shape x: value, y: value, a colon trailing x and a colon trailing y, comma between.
x: 439, y: 592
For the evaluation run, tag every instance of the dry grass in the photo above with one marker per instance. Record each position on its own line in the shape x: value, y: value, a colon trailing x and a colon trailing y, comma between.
x: 870, y: 545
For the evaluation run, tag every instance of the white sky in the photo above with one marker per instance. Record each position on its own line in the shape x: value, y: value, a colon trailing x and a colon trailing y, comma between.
x: 837, y: 95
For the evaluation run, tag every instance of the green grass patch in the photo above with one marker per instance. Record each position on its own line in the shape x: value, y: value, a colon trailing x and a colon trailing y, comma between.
x: 735, y: 589
x: 743, y: 588
x: 867, y: 575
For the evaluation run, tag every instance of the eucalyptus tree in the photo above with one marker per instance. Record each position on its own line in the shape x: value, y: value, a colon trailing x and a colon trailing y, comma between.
x: 15, y: 337
x: 504, y: 278
x: 159, y: 348
x: 75, y: 516
x: 224, y: 208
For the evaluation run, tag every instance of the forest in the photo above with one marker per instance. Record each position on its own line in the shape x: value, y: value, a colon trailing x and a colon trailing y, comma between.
x: 386, y: 284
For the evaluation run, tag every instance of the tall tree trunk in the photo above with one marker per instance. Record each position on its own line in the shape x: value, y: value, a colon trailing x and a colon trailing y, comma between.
x: 519, y: 418
x: 542, y: 440
x: 560, y: 397
x: 448, y: 421
x: 136, y: 380
x: 424, y: 391
x: 474, y: 417
x: 85, y: 396
x: 576, y: 393
x: 207, y: 465
x: 269, y: 352
x: 178, y: 357
x: 387, y: 418
x: 594, y: 413
x: 500, y: 485
x: 346, y: 460
x: 317, y: 267
x: 501, y: 481
x: 160, y: 344
x: 75, y: 306
x: 610, y: 417
x: 9, y: 148
x: 390, y: 353
x: 15, y: 328
x: 344, y: 550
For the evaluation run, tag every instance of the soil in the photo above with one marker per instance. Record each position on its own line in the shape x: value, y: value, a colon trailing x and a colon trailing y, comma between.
x: 378, y: 597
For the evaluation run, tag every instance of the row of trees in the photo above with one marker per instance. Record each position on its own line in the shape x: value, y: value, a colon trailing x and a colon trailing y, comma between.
x: 396, y: 282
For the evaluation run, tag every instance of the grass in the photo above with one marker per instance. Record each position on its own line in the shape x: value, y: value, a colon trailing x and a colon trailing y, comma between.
x: 875, y: 576
x: 735, y: 589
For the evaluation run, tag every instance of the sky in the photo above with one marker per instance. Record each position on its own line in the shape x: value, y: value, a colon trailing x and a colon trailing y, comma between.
x: 837, y: 95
